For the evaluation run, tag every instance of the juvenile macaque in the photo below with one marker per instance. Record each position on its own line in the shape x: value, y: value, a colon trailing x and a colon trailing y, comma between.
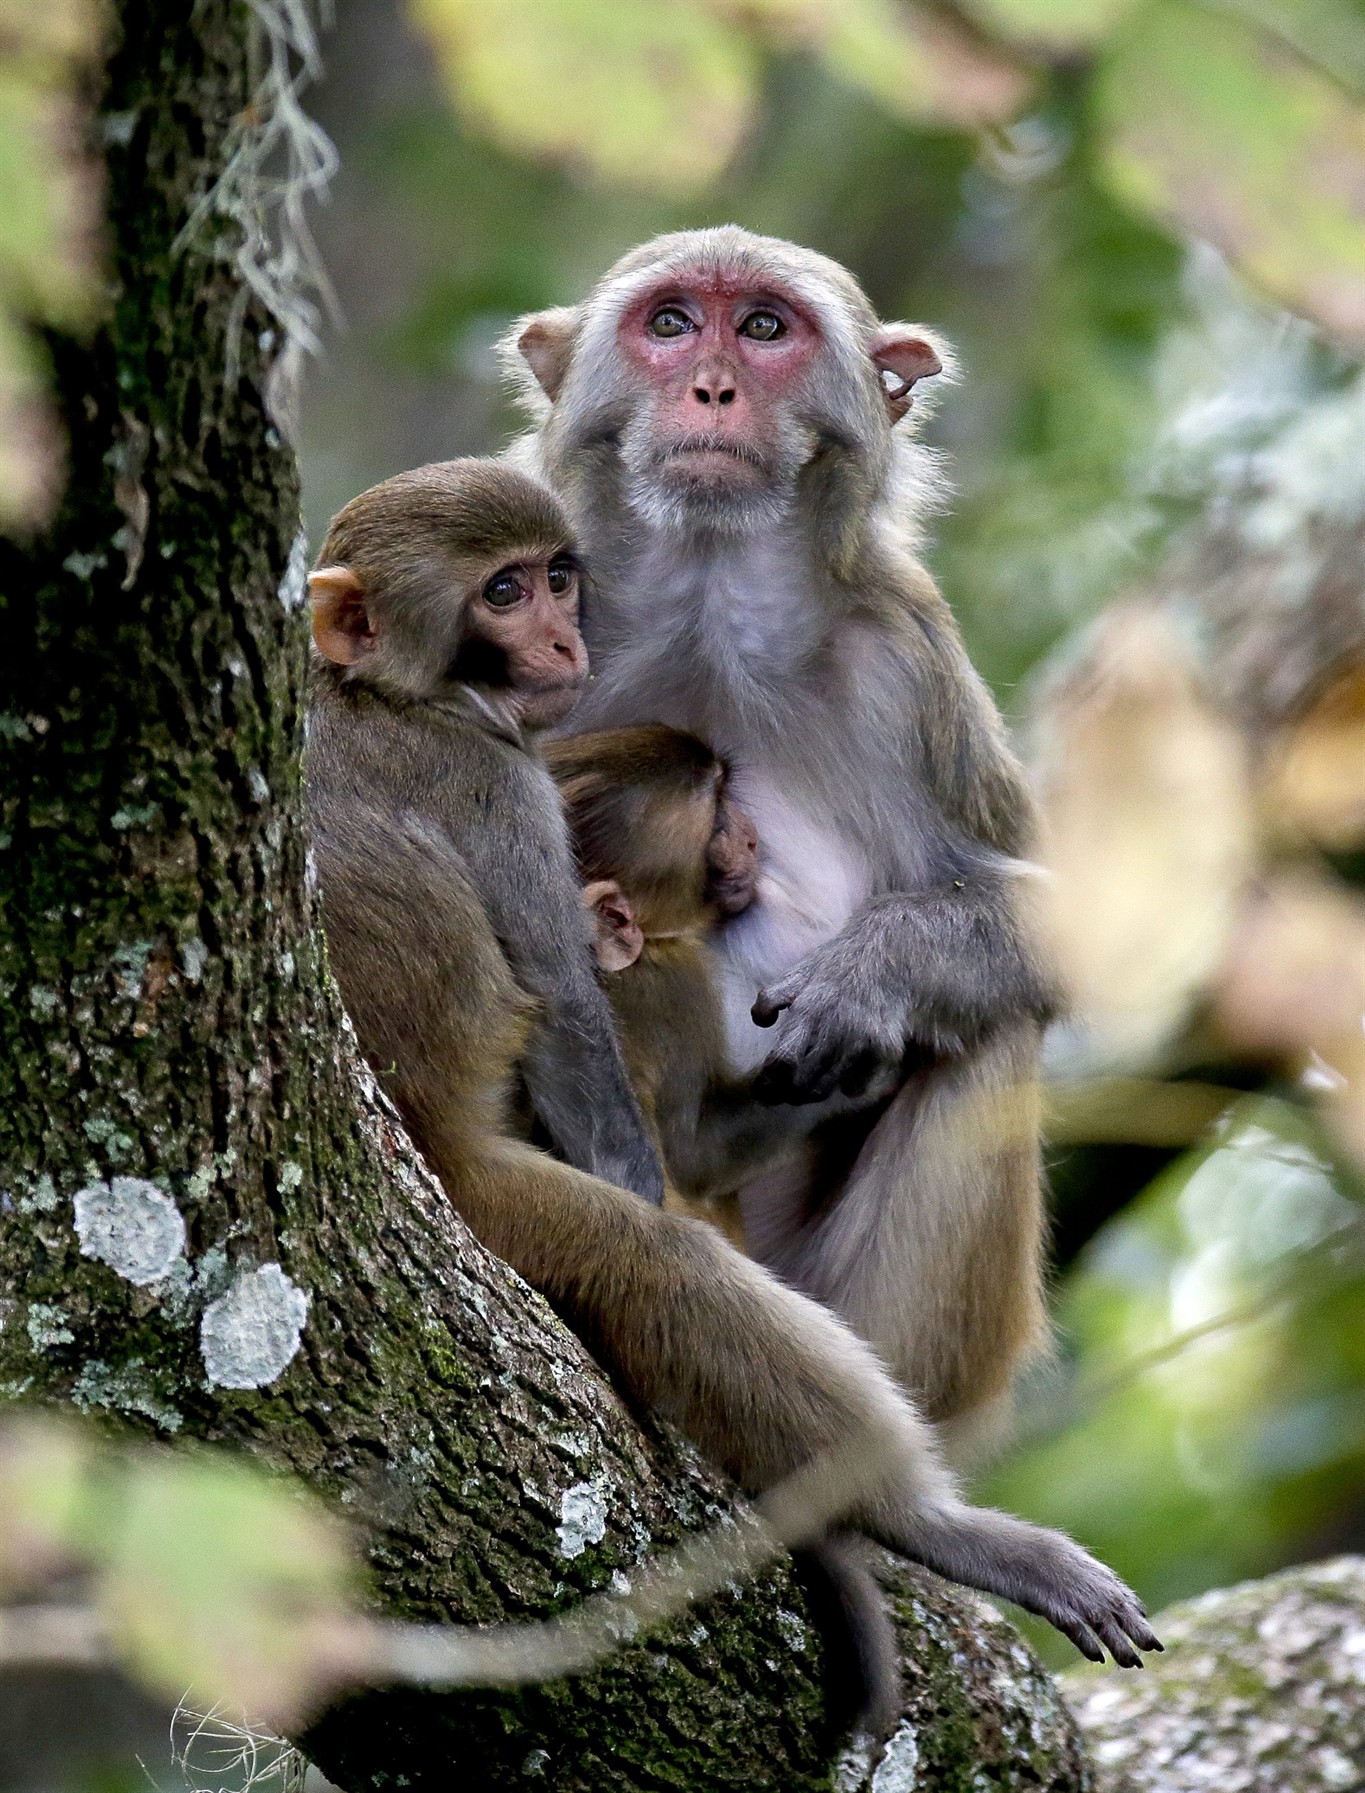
x: 445, y: 614
x: 721, y: 417
x: 444, y: 618
x: 667, y: 854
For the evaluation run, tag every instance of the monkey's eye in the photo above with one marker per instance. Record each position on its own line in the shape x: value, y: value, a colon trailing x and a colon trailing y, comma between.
x: 560, y: 576
x: 502, y: 590
x: 762, y: 326
x: 670, y: 322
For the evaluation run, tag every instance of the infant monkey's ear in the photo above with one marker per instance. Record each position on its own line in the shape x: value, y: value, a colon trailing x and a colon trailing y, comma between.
x: 617, y: 938
x: 343, y: 628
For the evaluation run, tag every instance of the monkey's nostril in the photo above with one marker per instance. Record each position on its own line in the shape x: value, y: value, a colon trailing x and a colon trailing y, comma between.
x: 702, y: 396
x: 727, y: 397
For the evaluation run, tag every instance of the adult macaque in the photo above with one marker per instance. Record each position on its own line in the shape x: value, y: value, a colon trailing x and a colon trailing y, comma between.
x: 720, y: 416
x: 455, y: 927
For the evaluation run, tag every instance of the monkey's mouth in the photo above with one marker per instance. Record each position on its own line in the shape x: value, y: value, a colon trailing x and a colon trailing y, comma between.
x: 693, y: 451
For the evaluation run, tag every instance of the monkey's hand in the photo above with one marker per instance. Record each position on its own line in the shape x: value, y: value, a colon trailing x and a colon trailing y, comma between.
x: 935, y: 971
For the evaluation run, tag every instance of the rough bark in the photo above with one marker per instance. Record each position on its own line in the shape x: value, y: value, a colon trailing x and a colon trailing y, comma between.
x: 210, y: 1224
x: 1262, y: 1690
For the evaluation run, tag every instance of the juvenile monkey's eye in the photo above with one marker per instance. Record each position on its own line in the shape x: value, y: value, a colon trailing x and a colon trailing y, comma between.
x: 560, y: 576
x: 670, y: 322
x: 762, y: 326
x: 502, y: 590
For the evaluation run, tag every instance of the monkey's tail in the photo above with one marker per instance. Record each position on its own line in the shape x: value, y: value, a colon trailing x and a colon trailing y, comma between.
x: 862, y: 1678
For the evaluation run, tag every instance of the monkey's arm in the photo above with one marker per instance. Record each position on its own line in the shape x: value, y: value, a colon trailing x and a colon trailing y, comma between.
x: 936, y: 969
x: 579, y: 1088
x: 573, y: 1066
x: 735, y: 1134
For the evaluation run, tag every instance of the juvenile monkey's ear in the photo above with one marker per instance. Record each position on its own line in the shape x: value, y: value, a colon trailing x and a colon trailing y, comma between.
x: 545, y: 341
x: 342, y: 628
x: 907, y: 354
x: 617, y: 938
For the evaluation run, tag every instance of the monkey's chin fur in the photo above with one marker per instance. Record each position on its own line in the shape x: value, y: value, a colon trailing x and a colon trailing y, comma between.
x: 543, y: 709
x: 698, y: 494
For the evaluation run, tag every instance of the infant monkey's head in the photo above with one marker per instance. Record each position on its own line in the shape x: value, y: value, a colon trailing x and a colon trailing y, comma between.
x: 662, y: 846
x: 461, y: 575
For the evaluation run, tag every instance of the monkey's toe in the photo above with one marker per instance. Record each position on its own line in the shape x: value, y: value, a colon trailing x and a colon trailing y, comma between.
x: 1116, y: 1617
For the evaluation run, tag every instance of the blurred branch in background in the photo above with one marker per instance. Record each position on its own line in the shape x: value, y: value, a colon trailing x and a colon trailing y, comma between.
x: 1227, y: 121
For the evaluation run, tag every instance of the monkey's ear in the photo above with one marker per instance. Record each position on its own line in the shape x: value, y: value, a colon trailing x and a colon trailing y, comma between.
x: 907, y: 355
x: 618, y: 939
x: 342, y: 627
x: 545, y: 341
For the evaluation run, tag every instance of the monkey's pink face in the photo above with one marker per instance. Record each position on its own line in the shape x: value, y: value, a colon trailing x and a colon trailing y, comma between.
x: 722, y: 362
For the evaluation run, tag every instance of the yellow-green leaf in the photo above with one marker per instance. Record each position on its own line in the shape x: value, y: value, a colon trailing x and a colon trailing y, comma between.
x: 1225, y: 130
x: 45, y: 223
x: 1054, y: 23
x: 653, y: 97
x: 43, y: 1469
x: 48, y: 232
x: 1148, y: 830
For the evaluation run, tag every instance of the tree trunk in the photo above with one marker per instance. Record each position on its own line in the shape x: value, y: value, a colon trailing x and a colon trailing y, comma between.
x: 211, y: 1225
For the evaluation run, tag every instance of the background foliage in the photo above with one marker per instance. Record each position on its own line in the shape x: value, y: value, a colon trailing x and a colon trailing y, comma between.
x: 1141, y: 221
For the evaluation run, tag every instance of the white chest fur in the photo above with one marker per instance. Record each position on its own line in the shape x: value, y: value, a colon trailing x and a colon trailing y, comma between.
x: 811, y: 881
x: 720, y: 642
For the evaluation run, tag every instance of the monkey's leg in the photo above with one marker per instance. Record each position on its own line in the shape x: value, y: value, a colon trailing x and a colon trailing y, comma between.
x: 932, y: 1250
x: 720, y: 1211
x: 767, y: 1383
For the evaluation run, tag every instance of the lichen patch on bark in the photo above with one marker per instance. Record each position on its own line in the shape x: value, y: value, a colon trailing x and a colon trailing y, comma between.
x: 250, y: 1335
x: 131, y: 1225
x: 582, y: 1518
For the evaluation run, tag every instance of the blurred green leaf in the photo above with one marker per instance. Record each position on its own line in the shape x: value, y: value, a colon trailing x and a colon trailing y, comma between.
x: 43, y: 261
x: 221, y: 1578
x: 48, y: 264
x: 1330, y: 32
x: 205, y: 1572
x: 43, y: 1472
x: 920, y: 65
x: 654, y: 97
x: 1224, y: 131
